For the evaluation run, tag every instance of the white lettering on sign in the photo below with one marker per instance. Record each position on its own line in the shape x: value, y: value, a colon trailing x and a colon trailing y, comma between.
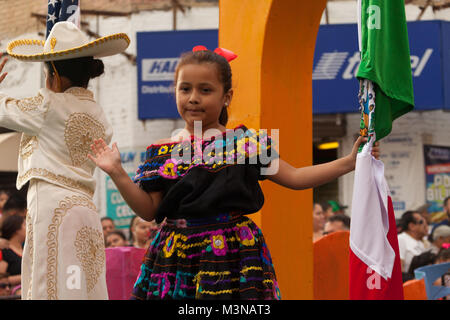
x: 123, y: 211
x: 330, y: 63
x: 157, y: 89
x: 159, y: 69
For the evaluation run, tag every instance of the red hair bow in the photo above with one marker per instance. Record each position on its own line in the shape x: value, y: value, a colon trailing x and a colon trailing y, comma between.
x: 227, y: 54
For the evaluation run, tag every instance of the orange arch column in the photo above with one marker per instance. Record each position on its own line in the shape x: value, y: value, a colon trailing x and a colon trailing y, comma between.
x: 275, y: 41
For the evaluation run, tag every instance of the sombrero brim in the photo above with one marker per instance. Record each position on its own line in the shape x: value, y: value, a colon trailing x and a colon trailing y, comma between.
x: 32, y: 50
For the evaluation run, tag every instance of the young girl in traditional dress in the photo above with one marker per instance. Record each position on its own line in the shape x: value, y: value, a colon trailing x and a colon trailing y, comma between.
x: 217, y: 252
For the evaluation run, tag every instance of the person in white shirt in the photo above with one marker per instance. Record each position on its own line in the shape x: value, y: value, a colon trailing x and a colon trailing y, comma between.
x: 410, y: 241
x: 64, y: 255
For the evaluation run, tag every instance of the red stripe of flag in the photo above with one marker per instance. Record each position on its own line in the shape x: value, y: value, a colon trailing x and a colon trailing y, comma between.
x: 366, y: 284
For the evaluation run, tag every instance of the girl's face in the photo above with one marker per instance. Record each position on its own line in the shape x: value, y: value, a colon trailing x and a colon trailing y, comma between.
x: 200, y: 95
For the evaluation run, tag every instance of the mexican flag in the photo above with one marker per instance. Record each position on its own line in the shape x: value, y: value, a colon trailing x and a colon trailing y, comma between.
x: 386, y: 93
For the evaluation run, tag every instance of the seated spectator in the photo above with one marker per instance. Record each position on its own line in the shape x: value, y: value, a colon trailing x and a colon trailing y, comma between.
x: 410, y: 241
x: 107, y: 226
x: 5, y: 286
x: 318, y: 221
x: 14, y: 230
x: 338, y: 222
x: 424, y: 259
x: 439, y: 236
x: 116, y: 238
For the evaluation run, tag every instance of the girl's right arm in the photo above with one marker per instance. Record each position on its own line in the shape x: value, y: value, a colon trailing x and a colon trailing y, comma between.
x: 108, y: 159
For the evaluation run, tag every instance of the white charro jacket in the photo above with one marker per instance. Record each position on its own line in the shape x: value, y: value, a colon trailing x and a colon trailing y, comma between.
x: 58, y: 129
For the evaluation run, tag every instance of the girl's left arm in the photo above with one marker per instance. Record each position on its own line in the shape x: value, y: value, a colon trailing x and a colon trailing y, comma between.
x: 316, y: 175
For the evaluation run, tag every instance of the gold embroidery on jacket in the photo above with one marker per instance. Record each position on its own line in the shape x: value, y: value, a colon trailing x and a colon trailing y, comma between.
x: 81, y: 131
x: 29, y: 104
x: 52, y: 239
x: 90, y: 249
x: 57, y: 178
x: 81, y: 93
x: 27, y: 145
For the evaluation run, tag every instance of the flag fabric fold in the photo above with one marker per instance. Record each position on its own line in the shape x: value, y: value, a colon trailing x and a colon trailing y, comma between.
x: 386, y: 93
x: 385, y: 59
x: 62, y: 10
x: 375, y: 271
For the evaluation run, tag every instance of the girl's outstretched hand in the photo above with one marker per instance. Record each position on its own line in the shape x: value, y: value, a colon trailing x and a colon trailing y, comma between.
x: 2, y: 65
x: 106, y: 158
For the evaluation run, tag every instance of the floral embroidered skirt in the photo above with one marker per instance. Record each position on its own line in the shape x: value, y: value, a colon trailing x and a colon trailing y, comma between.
x: 223, y: 257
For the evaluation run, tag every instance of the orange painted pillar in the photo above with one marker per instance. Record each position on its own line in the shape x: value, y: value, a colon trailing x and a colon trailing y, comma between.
x: 275, y: 41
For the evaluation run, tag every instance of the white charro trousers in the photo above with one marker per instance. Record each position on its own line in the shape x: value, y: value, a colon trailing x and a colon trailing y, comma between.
x: 64, y: 252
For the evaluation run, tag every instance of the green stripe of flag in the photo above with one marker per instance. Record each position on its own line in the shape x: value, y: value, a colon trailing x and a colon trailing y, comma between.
x: 385, y: 60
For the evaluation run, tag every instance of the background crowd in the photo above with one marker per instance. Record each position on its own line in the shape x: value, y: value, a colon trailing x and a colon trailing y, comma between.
x: 420, y: 244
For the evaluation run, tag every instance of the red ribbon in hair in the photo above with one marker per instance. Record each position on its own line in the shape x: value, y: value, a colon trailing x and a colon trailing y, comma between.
x: 227, y: 54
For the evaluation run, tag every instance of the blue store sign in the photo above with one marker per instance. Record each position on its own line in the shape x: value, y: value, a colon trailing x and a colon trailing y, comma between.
x: 336, y: 61
x: 157, y: 57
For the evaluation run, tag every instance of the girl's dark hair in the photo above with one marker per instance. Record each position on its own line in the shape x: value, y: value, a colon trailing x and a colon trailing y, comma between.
x: 223, y: 68
x: 11, y: 225
x: 79, y: 70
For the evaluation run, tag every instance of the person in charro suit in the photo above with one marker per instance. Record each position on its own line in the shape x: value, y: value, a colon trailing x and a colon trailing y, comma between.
x: 63, y: 256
